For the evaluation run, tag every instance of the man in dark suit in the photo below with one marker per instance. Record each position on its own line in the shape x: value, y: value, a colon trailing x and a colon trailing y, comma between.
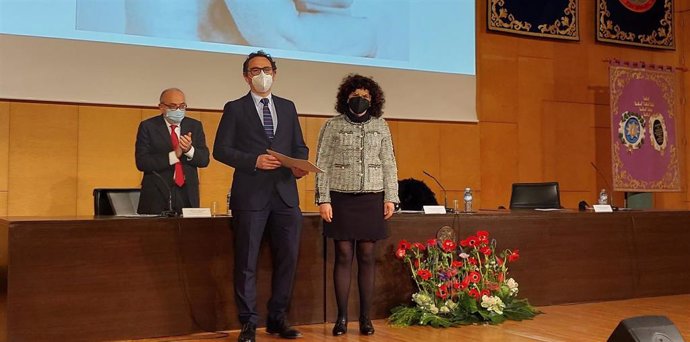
x: 169, y: 149
x: 264, y: 193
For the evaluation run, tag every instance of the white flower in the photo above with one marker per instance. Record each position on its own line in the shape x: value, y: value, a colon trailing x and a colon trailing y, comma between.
x: 464, y: 255
x: 421, y: 299
x: 493, y: 303
x: 513, y: 286
x: 451, y: 304
x: 433, y: 309
x: 444, y: 309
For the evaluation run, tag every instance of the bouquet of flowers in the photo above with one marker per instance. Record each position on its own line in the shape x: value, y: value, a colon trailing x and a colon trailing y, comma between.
x: 460, y: 284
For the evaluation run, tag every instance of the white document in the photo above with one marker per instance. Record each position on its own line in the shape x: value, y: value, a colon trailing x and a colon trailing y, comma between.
x: 196, y: 212
x: 434, y: 209
x: 293, y: 162
x: 602, y: 208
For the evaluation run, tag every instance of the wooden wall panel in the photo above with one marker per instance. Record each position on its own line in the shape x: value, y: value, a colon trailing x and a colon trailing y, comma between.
x: 535, y: 83
x: 568, y: 144
x: 417, y: 150
x: 498, y: 86
x: 106, y: 152
x: 43, y: 151
x: 460, y: 162
x: 4, y: 143
x: 499, y: 163
x: 3, y: 203
x: 214, y: 180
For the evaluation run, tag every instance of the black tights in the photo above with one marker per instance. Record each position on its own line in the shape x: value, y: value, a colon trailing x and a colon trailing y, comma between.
x: 366, y: 265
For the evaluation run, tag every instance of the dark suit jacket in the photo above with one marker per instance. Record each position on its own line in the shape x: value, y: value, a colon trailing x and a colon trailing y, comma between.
x: 241, y: 139
x: 151, y: 154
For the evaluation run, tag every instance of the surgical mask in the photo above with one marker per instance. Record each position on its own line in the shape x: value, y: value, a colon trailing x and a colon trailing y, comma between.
x: 358, y: 105
x: 175, y: 115
x: 262, y: 82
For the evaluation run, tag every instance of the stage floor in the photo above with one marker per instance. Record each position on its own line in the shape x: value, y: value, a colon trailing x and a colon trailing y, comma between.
x: 576, y: 323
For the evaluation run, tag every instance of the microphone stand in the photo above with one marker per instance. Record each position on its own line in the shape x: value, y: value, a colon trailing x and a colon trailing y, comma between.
x: 445, y: 197
x: 170, y: 212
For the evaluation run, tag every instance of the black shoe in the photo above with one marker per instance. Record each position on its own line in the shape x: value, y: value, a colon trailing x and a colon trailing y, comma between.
x: 283, y: 329
x: 365, y: 326
x: 340, y: 327
x: 248, y: 333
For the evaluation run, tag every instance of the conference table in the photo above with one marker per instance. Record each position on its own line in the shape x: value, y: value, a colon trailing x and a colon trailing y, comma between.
x: 110, y: 278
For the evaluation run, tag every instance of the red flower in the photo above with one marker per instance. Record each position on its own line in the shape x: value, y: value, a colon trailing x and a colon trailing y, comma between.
x: 485, y: 250
x: 424, y: 274
x: 501, y: 277
x: 499, y: 261
x: 474, y: 277
x: 464, y: 243
x: 472, y: 241
x: 431, y: 242
x: 514, y: 255
x: 492, y: 286
x: 456, y: 284
x: 464, y: 283
x: 404, y: 244
x: 416, y: 263
x: 485, y: 292
x: 420, y: 246
x: 456, y: 263
x: 400, y: 253
x: 474, y: 293
x: 442, y: 291
x: 472, y: 261
x: 483, y: 236
x: 448, y: 246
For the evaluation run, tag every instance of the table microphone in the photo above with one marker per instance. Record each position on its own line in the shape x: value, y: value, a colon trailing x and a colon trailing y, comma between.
x: 445, y: 197
x: 170, y: 212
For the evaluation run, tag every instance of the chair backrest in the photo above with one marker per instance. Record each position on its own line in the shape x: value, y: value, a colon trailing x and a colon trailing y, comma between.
x: 535, y: 195
x: 414, y: 194
x: 101, y: 202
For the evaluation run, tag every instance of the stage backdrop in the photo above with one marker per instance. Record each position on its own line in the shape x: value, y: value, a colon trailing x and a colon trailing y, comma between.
x: 643, y: 128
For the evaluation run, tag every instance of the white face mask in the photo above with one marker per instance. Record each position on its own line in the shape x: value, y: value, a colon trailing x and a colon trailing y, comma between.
x: 262, y: 82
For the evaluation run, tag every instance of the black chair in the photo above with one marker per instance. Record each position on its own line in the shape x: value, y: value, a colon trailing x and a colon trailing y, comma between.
x: 535, y: 195
x: 101, y: 202
x: 414, y: 194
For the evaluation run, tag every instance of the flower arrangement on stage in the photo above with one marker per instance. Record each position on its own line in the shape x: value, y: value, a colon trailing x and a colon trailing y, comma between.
x: 460, y: 284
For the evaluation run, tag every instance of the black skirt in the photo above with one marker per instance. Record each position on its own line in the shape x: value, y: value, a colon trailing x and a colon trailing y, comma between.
x: 356, y: 217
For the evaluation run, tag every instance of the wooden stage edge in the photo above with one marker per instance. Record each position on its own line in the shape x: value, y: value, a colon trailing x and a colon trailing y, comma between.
x: 577, y: 323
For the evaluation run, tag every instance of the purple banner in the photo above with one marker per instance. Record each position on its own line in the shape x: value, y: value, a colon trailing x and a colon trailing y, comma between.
x: 643, y: 128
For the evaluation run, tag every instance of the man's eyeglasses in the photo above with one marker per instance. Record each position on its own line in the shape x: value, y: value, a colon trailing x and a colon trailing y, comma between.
x: 173, y: 106
x: 256, y: 71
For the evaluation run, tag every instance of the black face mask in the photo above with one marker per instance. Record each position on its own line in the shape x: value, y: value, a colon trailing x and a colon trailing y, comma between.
x: 358, y: 104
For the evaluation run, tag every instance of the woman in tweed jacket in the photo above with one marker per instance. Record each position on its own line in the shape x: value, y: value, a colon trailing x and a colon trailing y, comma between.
x: 358, y: 190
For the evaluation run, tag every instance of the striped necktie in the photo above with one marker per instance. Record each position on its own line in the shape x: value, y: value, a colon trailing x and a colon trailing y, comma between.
x: 268, y: 121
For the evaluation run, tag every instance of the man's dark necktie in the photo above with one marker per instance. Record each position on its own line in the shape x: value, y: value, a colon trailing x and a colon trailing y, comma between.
x: 268, y: 121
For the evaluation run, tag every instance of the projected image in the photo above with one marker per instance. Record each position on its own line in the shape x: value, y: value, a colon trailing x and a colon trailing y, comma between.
x: 335, y: 27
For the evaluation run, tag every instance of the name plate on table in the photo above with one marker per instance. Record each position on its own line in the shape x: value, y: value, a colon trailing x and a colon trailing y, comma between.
x: 602, y: 208
x: 434, y: 209
x: 196, y: 212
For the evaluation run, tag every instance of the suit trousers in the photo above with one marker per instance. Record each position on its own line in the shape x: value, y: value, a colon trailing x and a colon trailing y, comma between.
x: 283, y: 226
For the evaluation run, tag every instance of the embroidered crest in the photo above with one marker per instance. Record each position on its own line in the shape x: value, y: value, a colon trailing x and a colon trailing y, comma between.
x: 658, y: 132
x: 631, y: 130
x: 638, y: 6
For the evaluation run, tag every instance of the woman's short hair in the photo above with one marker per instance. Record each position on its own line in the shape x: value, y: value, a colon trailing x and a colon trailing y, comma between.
x: 353, y: 82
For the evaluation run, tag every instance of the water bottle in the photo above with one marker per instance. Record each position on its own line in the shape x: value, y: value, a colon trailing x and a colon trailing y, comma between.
x: 603, y: 197
x: 468, y: 200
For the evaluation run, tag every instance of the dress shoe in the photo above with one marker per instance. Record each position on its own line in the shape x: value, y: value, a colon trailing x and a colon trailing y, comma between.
x: 365, y: 326
x: 248, y: 333
x: 283, y: 329
x: 340, y: 327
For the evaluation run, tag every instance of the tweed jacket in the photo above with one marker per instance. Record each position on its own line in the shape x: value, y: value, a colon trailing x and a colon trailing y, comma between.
x: 356, y: 158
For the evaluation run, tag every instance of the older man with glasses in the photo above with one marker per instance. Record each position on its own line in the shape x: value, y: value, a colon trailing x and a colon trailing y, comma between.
x: 169, y: 149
